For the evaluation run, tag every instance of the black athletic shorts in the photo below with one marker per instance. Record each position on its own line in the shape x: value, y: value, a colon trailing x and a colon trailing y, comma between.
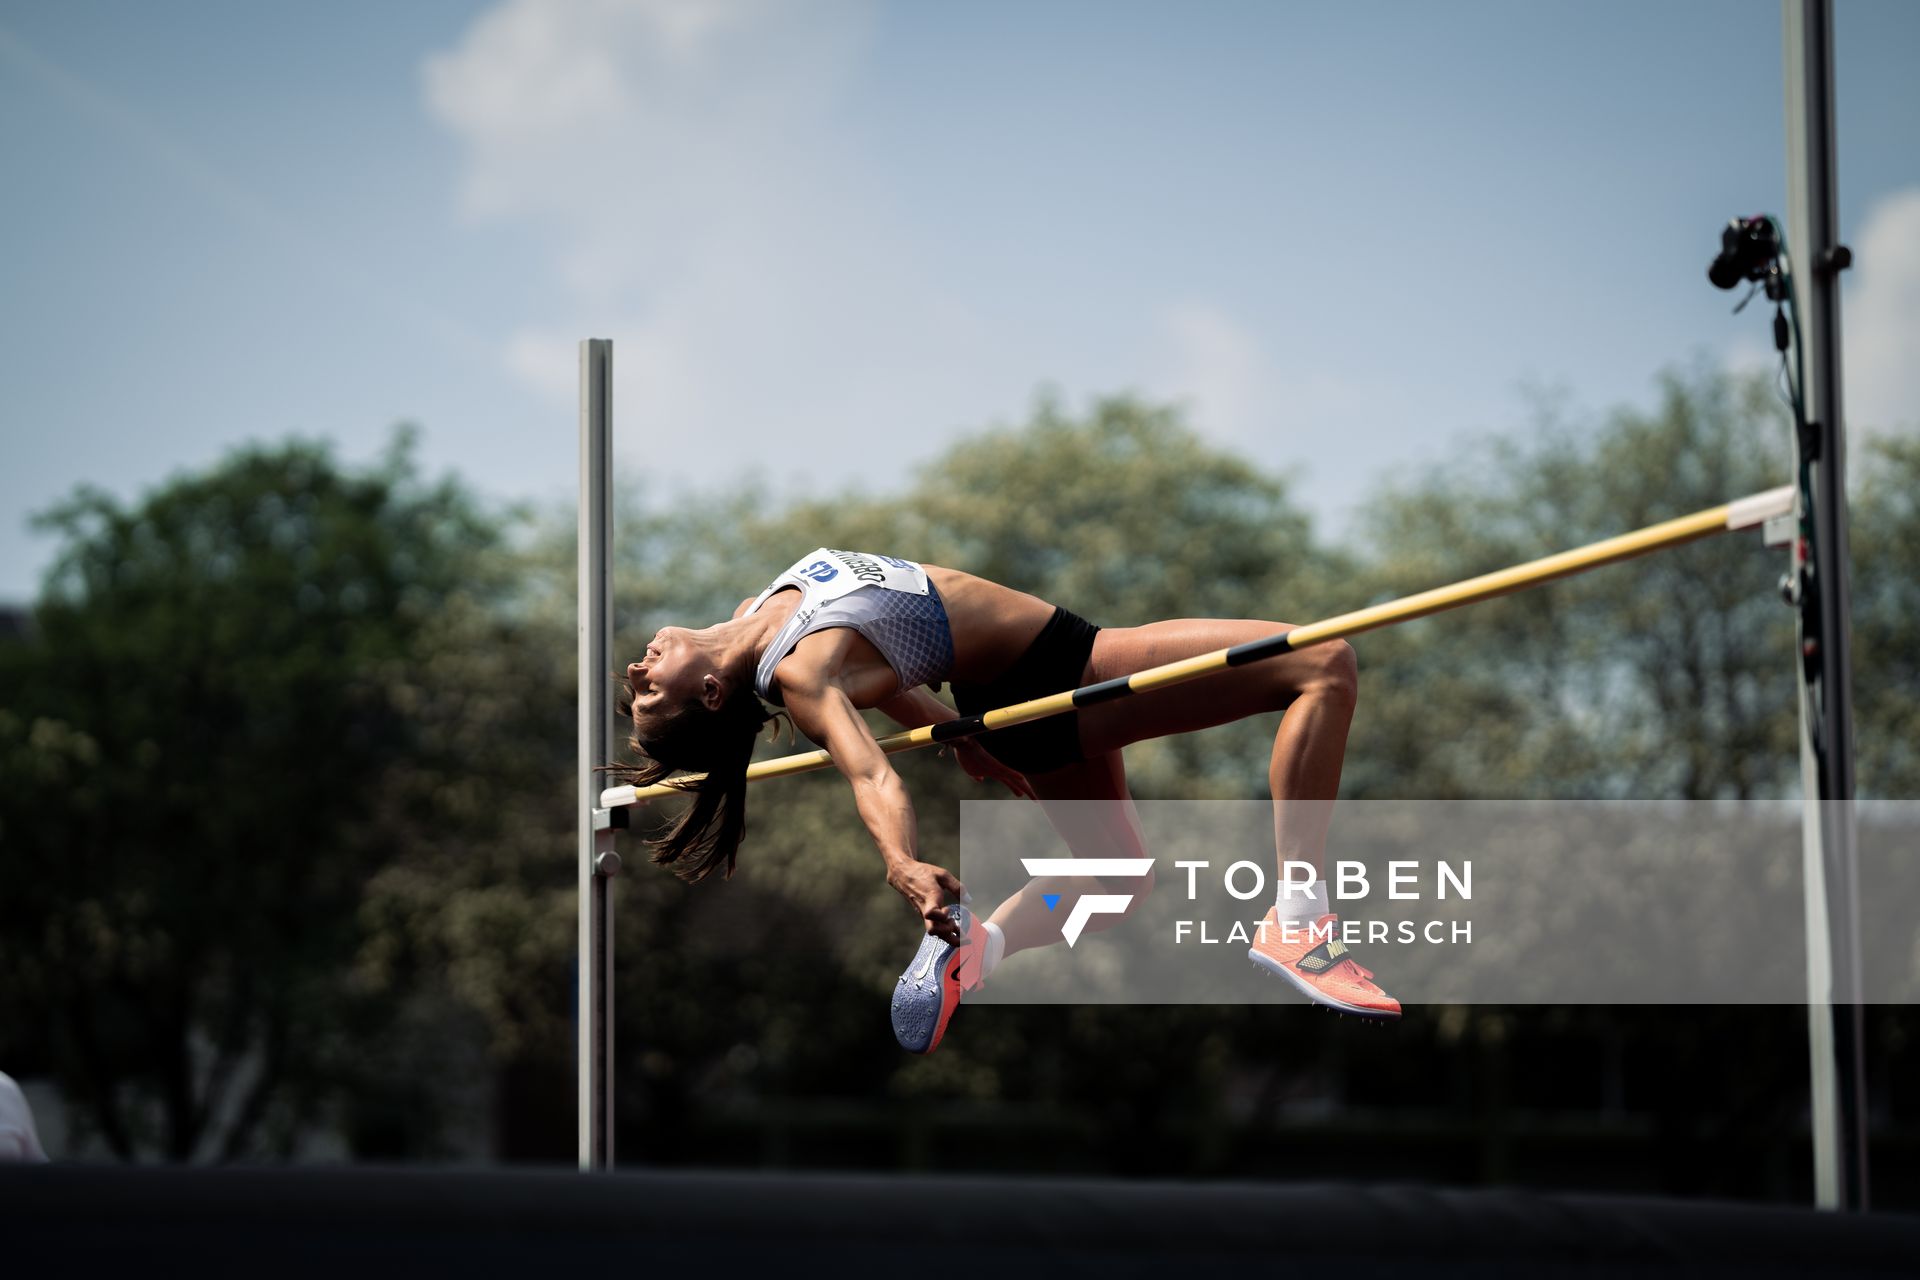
x: 1053, y: 663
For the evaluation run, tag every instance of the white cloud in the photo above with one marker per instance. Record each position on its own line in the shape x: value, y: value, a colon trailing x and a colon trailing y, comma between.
x: 683, y: 166
x: 1216, y: 365
x: 619, y: 122
x: 1749, y: 354
x: 1881, y: 327
x: 1330, y: 422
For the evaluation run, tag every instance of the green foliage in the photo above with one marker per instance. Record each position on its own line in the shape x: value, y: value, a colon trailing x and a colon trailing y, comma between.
x: 286, y: 788
x: 208, y: 745
x: 1669, y: 676
x: 1885, y: 539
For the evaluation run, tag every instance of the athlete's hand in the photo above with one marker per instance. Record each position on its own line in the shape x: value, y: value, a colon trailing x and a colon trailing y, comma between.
x: 927, y: 889
x: 981, y: 766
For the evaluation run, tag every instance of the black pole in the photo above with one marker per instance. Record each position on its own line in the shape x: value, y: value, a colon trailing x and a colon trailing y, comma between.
x: 1832, y: 872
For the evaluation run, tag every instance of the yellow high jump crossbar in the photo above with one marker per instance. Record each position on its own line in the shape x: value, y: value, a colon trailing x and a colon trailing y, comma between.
x: 1745, y: 513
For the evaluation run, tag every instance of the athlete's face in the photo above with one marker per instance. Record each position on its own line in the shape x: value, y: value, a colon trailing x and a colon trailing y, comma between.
x: 672, y: 673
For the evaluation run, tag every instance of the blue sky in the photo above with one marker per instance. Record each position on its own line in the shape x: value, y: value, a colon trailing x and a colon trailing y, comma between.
x: 829, y: 237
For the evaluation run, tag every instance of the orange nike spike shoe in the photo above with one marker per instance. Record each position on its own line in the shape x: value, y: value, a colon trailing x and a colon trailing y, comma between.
x: 1319, y: 966
x: 926, y: 995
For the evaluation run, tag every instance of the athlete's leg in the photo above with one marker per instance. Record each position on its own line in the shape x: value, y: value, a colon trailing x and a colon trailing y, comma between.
x: 1315, y: 688
x: 1092, y: 811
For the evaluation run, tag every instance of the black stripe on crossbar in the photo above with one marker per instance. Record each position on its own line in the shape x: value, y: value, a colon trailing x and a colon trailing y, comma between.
x: 1105, y: 691
x: 965, y: 726
x: 1254, y: 650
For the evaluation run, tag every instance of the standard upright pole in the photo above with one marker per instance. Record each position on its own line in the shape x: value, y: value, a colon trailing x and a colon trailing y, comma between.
x: 598, y: 861
x: 1834, y: 1012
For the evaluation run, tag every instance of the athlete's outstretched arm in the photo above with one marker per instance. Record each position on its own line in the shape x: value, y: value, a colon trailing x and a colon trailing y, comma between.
x: 822, y: 710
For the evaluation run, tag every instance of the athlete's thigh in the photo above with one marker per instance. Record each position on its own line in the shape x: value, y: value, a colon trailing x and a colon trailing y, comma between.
x: 1221, y: 698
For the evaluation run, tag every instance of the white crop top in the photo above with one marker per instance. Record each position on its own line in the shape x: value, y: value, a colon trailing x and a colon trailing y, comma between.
x: 890, y: 601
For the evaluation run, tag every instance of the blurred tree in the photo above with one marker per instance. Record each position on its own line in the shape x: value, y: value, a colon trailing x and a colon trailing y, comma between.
x: 207, y: 747
x: 750, y: 1014
x: 1669, y: 676
x: 1885, y: 536
x: 286, y: 803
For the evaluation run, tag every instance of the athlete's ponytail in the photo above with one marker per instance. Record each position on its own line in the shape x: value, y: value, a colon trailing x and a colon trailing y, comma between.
x: 718, y: 744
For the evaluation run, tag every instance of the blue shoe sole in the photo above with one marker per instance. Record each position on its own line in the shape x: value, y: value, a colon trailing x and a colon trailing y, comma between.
x: 928, y: 992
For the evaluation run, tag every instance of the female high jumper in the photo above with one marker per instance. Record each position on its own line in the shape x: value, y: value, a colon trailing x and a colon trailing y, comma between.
x: 840, y: 631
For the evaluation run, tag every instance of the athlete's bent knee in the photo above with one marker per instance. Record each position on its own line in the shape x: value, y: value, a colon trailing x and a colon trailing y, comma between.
x: 1340, y: 670
x: 1327, y: 670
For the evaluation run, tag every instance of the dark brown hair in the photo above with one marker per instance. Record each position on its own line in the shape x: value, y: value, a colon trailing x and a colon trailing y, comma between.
x: 716, y: 743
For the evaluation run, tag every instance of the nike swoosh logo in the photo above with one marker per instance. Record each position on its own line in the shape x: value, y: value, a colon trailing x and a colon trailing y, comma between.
x: 925, y: 967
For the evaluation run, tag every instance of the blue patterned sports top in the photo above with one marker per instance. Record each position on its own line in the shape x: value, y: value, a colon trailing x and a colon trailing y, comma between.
x: 892, y: 602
